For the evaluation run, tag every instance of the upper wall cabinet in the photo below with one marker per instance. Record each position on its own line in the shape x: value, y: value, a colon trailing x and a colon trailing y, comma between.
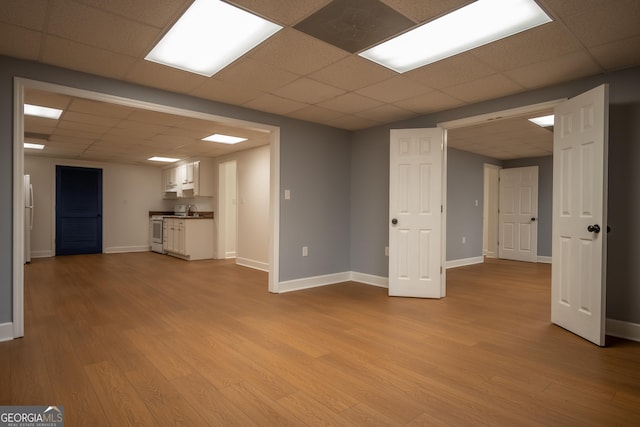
x: 194, y: 179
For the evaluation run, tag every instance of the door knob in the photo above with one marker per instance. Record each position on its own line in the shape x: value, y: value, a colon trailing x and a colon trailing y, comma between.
x: 533, y: 219
x: 394, y: 221
x: 593, y: 228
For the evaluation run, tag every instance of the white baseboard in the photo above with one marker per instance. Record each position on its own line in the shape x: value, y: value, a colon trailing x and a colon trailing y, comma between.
x: 124, y: 249
x: 314, y: 282
x: 464, y: 261
x: 229, y: 255
x: 42, y: 254
x: 258, y: 265
x: 370, y: 279
x: 6, y: 331
x: 544, y: 259
x: 622, y: 329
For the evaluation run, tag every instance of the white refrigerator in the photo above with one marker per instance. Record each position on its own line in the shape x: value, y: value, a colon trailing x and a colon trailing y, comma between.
x: 28, y: 217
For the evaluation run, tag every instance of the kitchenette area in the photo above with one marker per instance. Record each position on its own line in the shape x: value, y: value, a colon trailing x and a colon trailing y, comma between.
x: 185, y: 232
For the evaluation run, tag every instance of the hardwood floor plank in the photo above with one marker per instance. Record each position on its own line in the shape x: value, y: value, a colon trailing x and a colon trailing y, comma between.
x: 210, y: 403
x: 119, y: 400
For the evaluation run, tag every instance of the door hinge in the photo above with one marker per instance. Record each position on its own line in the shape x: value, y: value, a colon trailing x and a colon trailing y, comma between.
x: 441, y: 208
x: 440, y: 269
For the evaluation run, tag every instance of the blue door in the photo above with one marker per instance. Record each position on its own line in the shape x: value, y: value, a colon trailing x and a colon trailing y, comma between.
x: 78, y: 210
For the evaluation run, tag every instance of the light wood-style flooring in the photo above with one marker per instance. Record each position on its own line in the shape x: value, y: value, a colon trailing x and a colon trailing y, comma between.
x: 145, y: 339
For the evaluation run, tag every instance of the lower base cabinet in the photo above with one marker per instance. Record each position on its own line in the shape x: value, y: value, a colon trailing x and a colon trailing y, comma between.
x: 188, y: 238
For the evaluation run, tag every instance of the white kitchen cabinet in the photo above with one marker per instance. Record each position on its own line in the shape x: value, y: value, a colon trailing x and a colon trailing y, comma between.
x: 193, y: 179
x: 189, y: 238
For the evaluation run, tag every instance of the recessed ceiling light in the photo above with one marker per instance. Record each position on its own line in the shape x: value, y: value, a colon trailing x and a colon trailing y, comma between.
x: 544, y: 121
x: 225, y: 139
x: 162, y: 159
x: 479, y: 23
x: 39, y: 111
x: 33, y: 146
x: 209, y: 36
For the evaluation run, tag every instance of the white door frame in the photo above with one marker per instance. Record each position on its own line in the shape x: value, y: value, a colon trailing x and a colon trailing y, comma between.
x: 490, y: 212
x: 20, y: 84
x: 475, y: 120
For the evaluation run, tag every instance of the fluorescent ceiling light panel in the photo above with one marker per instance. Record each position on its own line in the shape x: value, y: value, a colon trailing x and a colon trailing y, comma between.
x: 544, y: 121
x: 163, y: 159
x: 474, y: 25
x: 225, y: 139
x: 209, y: 36
x: 39, y: 111
x: 33, y: 146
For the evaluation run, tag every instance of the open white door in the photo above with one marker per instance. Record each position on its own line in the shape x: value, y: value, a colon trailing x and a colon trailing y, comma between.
x: 580, y: 214
x: 518, y: 214
x: 415, y: 209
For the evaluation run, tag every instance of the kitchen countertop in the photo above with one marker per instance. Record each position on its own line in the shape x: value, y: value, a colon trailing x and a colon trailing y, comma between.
x: 201, y: 215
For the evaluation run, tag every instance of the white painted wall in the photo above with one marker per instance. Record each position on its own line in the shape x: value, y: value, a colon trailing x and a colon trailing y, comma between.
x: 252, y: 186
x: 231, y: 211
x: 129, y: 193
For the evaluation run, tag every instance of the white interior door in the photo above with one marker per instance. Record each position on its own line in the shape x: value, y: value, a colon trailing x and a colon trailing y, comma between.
x: 415, y: 209
x: 580, y: 214
x: 518, y: 214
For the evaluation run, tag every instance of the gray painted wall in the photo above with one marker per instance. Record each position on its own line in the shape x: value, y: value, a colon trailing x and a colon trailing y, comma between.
x: 465, y: 185
x: 545, y: 197
x: 623, y: 270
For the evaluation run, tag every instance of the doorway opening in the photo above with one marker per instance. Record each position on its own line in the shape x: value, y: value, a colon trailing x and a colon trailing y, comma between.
x: 494, y: 141
x: 22, y: 85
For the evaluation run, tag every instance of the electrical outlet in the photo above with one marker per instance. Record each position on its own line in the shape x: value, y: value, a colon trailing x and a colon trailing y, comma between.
x: 386, y: 251
x: 464, y: 240
x: 305, y: 251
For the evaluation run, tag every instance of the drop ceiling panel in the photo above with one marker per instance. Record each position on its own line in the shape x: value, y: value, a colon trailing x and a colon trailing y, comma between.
x: 350, y: 103
x: 98, y: 108
x: 297, y: 52
x: 616, y: 55
x: 615, y: 20
x: 352, y: 122
x: 451, y: 71
x: 352, y: 73
x: 284, y: 12
x: 394, y: 89
x: 256, y: 74
x: 315, y: 113
x: 378, y: 114
x: 94, y: 27
x: 566, y: 68
x: 538, y: 44
x: 308, y: 90
x: 160, y: 76
x: 429, y: 102
x: 157, y: 13
x: 421, y: 11
x: 275, y: 104
x: 484, y: 88
x: 226, y: 92
x: 354, y: 25
x: 81, y: 57
x: 27, y: 14
x: 19, y: 42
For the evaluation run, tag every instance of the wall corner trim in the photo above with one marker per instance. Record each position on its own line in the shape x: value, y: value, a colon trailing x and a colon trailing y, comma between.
x: 257, y: 265
x: 370, y: 279
x: 464, y: 261
x: 623, y: 329
x: 6, y: 331
x: 313, y: 282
